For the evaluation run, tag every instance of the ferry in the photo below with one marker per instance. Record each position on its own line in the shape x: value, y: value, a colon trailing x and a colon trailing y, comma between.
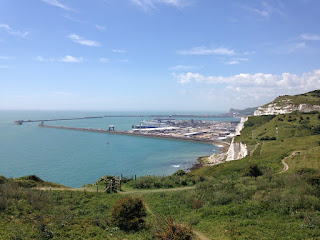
x: 155, y: 123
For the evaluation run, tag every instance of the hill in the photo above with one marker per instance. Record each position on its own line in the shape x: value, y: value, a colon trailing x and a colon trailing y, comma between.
x: 306, y: 102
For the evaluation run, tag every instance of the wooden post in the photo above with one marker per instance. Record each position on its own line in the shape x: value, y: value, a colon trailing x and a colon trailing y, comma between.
x: 120, y: 184
x: 70, y: 194
x: 121, y: 177
x: 97, y: 188
x: 135, y: 177
x: 58, y: 196
x: 84, y: 191
x: 40, y: 192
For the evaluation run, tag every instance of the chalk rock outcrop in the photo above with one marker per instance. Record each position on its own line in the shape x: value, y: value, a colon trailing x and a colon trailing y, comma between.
x: 240, y: 126
x: 274, y: 109
x: 236, y: 151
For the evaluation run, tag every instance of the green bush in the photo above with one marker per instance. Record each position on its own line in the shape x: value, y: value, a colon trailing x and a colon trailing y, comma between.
x: 252, y: 171
x: 3, y: 179
x: 128, y: 214
x: 180, y: 173
x: 174, y: 231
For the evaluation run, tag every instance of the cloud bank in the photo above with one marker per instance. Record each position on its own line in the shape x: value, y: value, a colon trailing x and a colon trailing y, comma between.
x: 254, y: 86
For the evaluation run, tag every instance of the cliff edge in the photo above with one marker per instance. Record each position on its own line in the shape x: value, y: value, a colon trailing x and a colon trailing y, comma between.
x: 306, y: 102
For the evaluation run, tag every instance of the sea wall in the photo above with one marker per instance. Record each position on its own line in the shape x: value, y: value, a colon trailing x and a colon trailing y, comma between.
x: 274, y: 109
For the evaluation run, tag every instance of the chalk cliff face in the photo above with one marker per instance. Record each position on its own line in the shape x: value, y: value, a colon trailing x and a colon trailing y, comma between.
x: 274, y: 109
x: 236, y: 151
x: 240, y: 125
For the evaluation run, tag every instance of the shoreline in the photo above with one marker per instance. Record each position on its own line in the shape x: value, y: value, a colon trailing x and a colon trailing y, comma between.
x: 202, y: 161
x: 218, y: 143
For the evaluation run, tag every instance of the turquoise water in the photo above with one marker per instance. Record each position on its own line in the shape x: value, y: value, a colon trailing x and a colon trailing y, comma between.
x: 74, y: 158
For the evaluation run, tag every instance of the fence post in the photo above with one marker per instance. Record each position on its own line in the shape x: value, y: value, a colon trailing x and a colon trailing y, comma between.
x: 135, y: 177
x: 97, y: 188
x: 70, y: 194
x: 58, y: 196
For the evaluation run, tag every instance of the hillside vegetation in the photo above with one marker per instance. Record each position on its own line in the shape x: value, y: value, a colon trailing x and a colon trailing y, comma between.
x: 312, y: 98
x: 249, y: 198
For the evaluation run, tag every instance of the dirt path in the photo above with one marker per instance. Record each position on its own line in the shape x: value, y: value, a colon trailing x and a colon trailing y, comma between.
x: 158, y: 190
x: 255, y: 147
x: 198, y: 234
x: 124, y: 192
x: 285, y: 165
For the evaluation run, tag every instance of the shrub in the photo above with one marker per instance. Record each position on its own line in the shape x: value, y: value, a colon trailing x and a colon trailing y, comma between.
x: 128, y: 214
x: 174, y: 231
x: 197, y: 204
x: 180, y: 173
x: 251, y: 171
x: 3, y: 179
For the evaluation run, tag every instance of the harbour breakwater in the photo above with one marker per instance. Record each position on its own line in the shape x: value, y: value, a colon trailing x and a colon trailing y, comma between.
x: 138, y: 134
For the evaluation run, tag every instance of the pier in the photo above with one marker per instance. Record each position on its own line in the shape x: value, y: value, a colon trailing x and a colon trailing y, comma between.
x: 137, y: 134
x: 20, y: 122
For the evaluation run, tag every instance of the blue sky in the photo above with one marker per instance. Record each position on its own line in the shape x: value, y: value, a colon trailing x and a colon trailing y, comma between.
x: 158, y: 55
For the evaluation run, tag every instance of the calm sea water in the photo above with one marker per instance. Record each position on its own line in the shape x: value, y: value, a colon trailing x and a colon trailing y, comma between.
x: 75, y: 158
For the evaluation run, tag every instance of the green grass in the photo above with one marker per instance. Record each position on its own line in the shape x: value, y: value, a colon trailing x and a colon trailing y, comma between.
x: 312, y: 98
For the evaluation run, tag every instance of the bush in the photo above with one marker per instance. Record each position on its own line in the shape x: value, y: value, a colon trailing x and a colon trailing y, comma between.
x: 180, y: 173
x: 3, y: 179
x: 174, y: 231
x: 128, y: 214
x: 251, y: 171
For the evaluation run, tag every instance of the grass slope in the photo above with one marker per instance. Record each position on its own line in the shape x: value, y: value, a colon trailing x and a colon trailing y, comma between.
x: 312, y: 98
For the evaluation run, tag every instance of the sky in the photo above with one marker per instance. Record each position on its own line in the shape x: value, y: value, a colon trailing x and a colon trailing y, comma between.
x: 156, y: 55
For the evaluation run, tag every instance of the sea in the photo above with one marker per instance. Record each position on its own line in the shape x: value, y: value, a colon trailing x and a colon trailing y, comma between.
x: 75, y: 158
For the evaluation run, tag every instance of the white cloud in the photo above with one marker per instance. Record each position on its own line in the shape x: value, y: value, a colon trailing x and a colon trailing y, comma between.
x: 13, y: 32
x: 104, y: 60
x: 208, y: 51
x: 101, y: 28
x: 290, y: 48
x: 77, y: 39
x: 310, y: 37
x: 183, y: 67
x: 123, y: 60
x: 148, y: 4
x: 267, y: 81
x: 5, y: 58
x: 56, y: 3
x: 42, y: 59
x: 234, y: 61
x: 252, y: 89
x: 119, y: 51
x: 71, y: 59
x: 266, y: 10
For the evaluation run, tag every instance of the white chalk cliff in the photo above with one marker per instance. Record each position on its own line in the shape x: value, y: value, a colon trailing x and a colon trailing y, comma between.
x: 274, y: 109
x: 236, y: 151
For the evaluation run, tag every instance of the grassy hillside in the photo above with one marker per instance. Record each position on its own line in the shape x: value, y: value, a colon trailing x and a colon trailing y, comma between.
x: 312, y: 98
x: 244, y: 199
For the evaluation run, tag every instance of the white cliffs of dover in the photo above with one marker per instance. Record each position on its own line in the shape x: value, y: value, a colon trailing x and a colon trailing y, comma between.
x: 236, y: 151
x: 274, y: 109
